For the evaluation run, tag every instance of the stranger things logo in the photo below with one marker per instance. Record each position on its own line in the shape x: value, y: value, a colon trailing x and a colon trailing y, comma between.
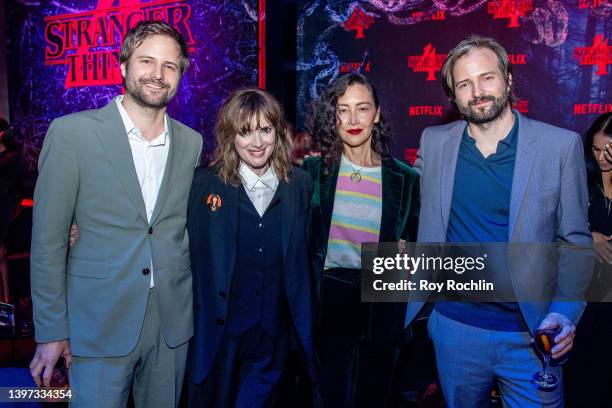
x: 511, y: 9
x: 599, y: 54
x: 428, y: 62
x: 88, y: 43
x: 359, y: 21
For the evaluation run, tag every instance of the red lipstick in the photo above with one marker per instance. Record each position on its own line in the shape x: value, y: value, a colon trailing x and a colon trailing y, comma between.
x: 354, y: 132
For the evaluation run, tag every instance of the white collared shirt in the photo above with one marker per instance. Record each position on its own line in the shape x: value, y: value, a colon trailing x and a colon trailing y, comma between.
x: 260, y: 190
x: 150, y: 159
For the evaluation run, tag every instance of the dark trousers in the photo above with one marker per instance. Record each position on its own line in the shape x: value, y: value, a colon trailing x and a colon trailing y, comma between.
x: 587, y: 372
x: 8, y: 204
x: 356, y: 366
x: 246, y: 372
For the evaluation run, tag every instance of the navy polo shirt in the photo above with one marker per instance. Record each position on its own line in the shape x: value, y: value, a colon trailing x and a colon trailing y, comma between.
x: 480, y: 212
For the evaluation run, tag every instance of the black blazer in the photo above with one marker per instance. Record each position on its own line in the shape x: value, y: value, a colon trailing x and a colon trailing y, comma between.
x: 400, y: 211
x: 213, y: 236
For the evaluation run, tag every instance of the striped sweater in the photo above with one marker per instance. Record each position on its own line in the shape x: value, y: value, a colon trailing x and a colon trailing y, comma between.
x: 356, y: 215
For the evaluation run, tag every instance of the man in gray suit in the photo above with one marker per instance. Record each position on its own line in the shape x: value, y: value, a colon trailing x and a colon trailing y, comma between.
x: 497, y: 176
x: 118, y: 305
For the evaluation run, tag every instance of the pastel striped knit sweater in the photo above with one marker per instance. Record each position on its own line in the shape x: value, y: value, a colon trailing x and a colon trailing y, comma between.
x: 356, y: 215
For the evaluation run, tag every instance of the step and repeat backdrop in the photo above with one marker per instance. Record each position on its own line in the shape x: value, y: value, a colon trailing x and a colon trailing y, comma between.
x: 63, y: 57
x: 561, y: 53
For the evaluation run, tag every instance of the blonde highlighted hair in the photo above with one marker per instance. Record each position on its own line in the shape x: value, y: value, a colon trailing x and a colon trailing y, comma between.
x: 243, y: 108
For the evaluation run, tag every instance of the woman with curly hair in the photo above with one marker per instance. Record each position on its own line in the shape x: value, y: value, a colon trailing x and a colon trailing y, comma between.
x: 247, y: 224
x: 361, y: 194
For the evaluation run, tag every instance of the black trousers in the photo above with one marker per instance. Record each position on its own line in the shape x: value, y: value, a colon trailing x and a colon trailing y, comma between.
x: 8, y: 204
x: 357, y: 343
x: 246, y: 372
x: 587, y: 376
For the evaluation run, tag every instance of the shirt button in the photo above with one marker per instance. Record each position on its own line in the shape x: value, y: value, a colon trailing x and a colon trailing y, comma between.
x: 260, y: 225
x: 150, y: 230
x: 260, y: 250
x: 146, y: 271
x: 259, y: 270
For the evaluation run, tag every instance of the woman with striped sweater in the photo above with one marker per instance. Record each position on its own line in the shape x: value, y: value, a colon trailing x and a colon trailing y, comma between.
x: 361, y: 194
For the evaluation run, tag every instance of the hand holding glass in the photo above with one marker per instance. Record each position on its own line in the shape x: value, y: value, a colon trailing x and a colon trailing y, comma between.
x: 544, y: 341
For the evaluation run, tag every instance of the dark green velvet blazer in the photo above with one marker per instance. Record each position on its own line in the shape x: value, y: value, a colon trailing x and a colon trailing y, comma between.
x: 400, y: 206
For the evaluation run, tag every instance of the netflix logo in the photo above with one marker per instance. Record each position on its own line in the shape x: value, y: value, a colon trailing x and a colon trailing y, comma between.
x: 590, y: 108
x: 425, y: 110
x: 518, y: 59
x: 354, y: 67
x: 437, y: 15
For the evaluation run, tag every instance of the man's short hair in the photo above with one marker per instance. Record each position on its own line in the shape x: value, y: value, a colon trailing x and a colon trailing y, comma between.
x: 149, y: 28
x: 463, y: 48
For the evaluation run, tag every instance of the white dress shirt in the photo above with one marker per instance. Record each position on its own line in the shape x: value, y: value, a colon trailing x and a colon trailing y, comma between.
x: 260, y: 190
x: 150, y: 159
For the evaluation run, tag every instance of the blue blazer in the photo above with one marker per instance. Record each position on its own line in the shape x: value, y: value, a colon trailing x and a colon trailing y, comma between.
x: 213, y: 236
x: 548, y: 201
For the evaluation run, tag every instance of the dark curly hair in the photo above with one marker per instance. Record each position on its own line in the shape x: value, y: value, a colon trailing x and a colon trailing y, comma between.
x: 322, y: 118
x: 602, y: 124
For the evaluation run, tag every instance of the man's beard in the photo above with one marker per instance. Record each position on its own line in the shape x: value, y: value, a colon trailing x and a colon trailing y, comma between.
x: 489, y: 114
x: 135, y: 88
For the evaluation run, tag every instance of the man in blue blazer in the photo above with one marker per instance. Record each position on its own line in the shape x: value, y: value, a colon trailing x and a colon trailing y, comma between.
x: 497, y: 176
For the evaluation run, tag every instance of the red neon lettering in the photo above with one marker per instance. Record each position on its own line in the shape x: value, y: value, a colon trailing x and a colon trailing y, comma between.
x: 70, y: 38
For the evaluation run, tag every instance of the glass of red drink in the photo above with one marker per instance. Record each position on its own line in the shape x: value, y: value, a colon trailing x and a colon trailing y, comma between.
x: 544, y: 341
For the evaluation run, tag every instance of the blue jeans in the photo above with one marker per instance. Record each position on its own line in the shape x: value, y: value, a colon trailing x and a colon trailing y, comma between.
x: 470, y: 360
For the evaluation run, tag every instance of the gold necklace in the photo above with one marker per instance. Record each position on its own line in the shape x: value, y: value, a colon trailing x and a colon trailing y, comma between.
x: 356, y: 174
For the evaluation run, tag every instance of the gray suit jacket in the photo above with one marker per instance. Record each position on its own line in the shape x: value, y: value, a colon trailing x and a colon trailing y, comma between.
x: 548, y: 201
x: 96, y: 294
